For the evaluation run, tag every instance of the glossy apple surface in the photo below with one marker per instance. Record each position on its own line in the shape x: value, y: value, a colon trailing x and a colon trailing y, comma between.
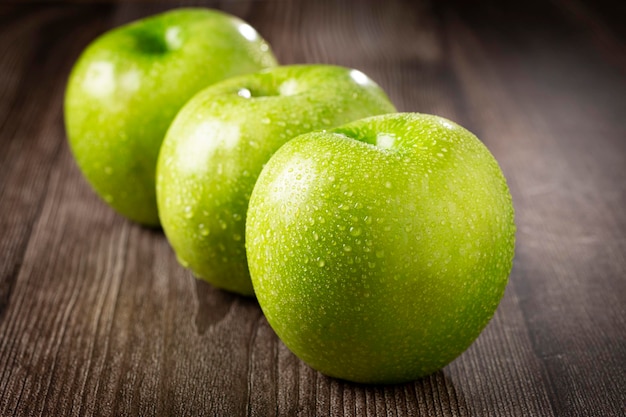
x: 128, y: 85
x: 380, y: 250
x: 219, y: 142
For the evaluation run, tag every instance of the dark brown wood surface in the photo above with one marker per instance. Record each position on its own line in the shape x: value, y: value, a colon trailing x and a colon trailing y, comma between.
x: 97, y: 317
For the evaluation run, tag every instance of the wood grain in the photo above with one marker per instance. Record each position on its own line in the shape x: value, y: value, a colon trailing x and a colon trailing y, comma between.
x: 97, y: 317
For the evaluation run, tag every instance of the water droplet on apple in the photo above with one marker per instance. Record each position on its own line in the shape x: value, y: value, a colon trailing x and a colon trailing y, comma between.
x: 188, y: 212
x: 248, y: 32
x: 244, y: 93
x: 388, y: 184
x: 266, y: 121
x: 347, y: 248
x: 223, y: 224
x: 236, y: 237
x: 380, y: 253
x: 355, y: 231
x: 321, y: 263
x: 204, y: 231
x: 173, y: 38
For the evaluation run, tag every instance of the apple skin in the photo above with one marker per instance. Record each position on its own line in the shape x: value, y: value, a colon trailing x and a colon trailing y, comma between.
x: 128, y: 85
x: 380, y: 250
x: 219, y: 142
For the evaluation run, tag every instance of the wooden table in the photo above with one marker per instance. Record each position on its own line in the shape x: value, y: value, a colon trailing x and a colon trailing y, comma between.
x: 97, y: 317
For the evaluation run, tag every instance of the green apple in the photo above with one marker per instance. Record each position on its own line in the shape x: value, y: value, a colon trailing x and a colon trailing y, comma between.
x: 128, y: 85
x: 380, y: 250
x: 219, y: 142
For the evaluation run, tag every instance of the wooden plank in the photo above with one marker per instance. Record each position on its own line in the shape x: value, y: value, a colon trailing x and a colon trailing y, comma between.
x: 30, y: 132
